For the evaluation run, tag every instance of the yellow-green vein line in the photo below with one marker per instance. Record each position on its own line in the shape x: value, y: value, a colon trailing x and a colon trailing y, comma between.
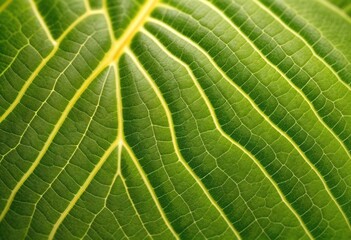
x: 149, y: 187
x: 111, y: 56
x: 314, y: 53
x: 75, y: 150
x: 175, y: 144
x: 218, y: 126
x: 109, y: 191
x: 4, y: 5
x: 42, y: 22
x: 133, y: 28
x: 14, y: 58
x: 120, y: 126
x: 133, y: 206
x: 41, y: 105
x: 214, y: 8
x: 83, y: 188
x: 108, y: 20
x: 39, y: 68
x: 335, y: 9
x: 87, y: 5
x: 254, y: 106
x: 51, y: 137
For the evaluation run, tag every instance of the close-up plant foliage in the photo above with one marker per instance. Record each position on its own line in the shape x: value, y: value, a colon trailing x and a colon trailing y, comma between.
x: 175, y: 119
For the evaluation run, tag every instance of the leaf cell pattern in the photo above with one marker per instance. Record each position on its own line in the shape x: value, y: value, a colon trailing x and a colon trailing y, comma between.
x: 175, y: 119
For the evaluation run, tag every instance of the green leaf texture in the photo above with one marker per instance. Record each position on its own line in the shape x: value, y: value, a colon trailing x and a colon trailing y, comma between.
x: 175, y: 119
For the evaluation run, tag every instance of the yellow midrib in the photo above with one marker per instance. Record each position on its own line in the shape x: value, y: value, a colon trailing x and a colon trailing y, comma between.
x: 111, y: 57
x: 134, y: 27
x: 4, y: 5
x: 118, y: 46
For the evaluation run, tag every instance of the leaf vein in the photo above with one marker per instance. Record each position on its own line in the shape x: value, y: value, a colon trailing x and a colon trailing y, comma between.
x: 264, y: 116
x: 176, y: 147
x: 287, y: 27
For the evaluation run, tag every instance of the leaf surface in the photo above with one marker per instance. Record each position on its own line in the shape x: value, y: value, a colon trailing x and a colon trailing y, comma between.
x: 175, y: 119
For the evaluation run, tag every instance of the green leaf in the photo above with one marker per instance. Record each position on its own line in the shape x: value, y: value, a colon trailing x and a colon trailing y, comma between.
x: 175, y: 119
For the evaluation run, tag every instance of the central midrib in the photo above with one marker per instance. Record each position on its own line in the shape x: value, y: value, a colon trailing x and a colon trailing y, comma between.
x: 112, y: 56
x: 119, y: 45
